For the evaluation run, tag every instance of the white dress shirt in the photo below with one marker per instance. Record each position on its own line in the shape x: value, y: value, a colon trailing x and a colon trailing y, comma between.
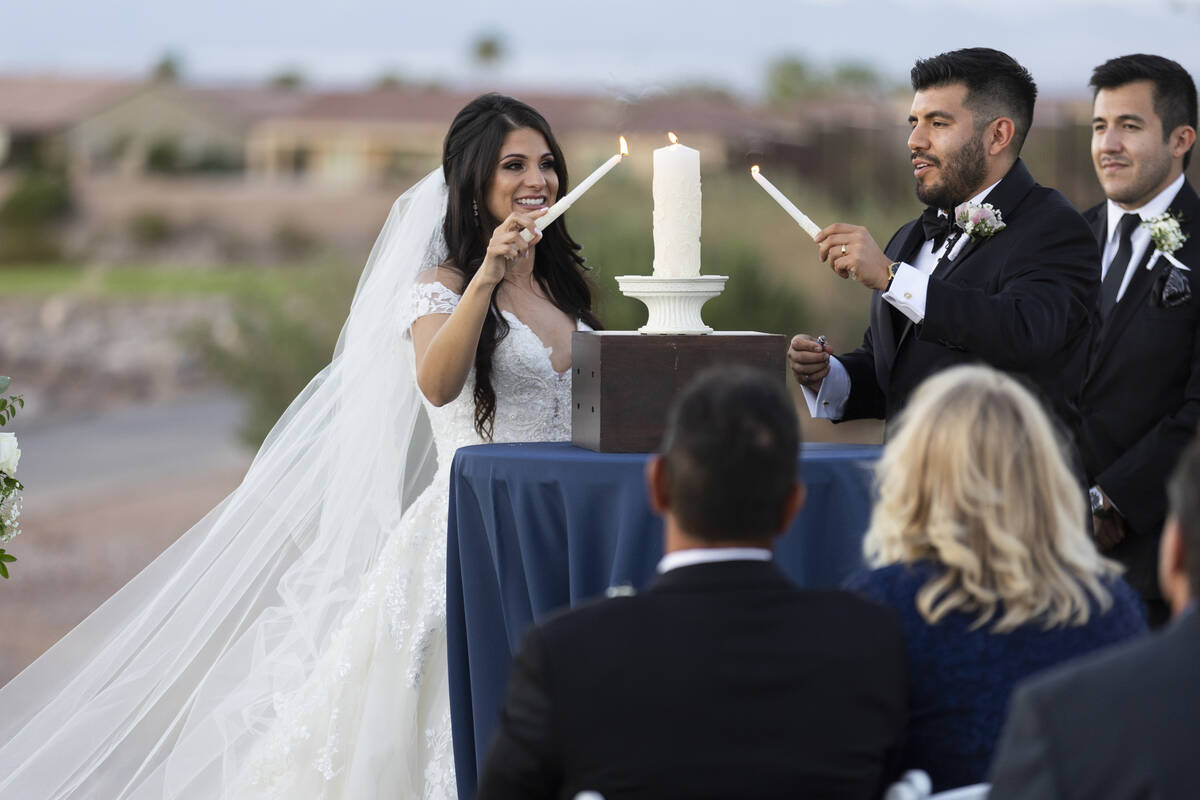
x: 908, y: 292
x: 1140, y: 238
x: 710, y: 555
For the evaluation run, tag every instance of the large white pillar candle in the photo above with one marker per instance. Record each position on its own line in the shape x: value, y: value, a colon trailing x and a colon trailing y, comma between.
x: 676, y: 211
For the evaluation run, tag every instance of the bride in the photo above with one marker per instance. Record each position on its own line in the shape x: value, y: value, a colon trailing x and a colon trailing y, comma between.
x: 292, y: 643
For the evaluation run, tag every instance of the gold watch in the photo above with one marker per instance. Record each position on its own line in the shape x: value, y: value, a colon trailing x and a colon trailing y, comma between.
x: 892, y: 267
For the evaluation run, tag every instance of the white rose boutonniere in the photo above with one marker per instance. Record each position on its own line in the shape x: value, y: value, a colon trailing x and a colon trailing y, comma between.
x: 977, y: 221
x: 1167, y: 234
x: 10, y: 454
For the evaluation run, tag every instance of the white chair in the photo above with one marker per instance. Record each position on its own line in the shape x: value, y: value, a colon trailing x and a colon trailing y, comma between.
x: 913, y: 785
x: 976, y: 791
x: 916, y: 785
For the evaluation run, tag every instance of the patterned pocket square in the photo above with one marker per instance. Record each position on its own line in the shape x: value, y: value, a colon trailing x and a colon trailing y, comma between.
x: 1172, y: 289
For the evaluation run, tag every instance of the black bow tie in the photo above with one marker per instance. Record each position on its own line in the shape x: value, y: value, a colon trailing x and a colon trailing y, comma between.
x: 937, y: 226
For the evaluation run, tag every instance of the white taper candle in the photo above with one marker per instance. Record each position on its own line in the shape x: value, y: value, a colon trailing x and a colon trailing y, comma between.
x: 558, y: 208
x: 809, y: 226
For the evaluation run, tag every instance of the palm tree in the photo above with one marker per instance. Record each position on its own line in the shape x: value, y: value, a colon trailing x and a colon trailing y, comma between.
x: 488, y: 50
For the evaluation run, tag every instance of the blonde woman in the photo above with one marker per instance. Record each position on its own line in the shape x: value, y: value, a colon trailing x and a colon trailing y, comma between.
x: 979, y: 540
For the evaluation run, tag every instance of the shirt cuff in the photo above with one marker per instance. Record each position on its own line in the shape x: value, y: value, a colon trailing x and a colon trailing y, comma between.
x: 907, y: 292
x: 830, y: 402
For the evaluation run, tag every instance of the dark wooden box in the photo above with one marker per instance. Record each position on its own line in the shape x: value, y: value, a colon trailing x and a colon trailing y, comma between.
x: 624, y: 382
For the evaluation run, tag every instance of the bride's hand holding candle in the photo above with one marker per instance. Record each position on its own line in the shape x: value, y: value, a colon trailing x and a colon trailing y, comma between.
x: 511, y: 241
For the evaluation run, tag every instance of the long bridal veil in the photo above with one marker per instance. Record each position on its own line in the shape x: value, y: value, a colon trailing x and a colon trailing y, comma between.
x: 164, y: 689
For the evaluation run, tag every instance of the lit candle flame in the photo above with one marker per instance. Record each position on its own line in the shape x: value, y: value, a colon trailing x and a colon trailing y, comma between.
x: 754, y: 170
x: 624, y: 147
x: 674, y: 139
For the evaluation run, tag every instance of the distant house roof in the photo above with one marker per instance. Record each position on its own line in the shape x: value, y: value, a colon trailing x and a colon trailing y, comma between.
x: 47, y: 103
x: 566, y: 113
x: 40, y: 104
x: 247, y: 104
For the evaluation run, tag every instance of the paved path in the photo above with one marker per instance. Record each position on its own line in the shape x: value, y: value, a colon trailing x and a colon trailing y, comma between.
x: 106, y: 494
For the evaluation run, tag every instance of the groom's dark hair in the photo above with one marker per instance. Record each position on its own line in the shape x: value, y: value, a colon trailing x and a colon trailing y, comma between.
x: 997, y: 86
x: 1174, y: 89
x: 730, y: 453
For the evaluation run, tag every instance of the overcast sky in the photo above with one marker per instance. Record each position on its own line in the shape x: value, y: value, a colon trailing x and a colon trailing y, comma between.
x: 626, y: 46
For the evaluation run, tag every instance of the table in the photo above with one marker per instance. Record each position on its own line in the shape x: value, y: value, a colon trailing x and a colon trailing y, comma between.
x: 538, y: 527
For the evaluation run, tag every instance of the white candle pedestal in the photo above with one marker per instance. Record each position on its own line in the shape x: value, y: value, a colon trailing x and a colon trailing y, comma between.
x: 674, y: 303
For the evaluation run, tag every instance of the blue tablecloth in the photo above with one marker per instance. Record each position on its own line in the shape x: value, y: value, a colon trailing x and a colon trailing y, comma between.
x: 538, y: 527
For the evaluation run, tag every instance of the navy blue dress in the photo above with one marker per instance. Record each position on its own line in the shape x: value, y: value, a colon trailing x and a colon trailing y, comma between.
x: 960, y: 680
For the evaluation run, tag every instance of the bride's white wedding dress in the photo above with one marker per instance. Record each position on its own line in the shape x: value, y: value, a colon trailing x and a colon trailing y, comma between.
x: 292, y: 642
x: 374, y: 719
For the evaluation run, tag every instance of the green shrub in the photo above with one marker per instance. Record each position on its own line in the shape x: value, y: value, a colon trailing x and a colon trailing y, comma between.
x: 163, y: 156
x: 216, y: 159
x: 30, y: 215
x: 750, y: 302
x: 32, y: 244
x: 150, y: 228
x: 283, y: 339
x: 40, y: 197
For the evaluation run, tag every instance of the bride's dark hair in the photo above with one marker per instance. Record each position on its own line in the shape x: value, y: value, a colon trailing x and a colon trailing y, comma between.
x: 470, y: 157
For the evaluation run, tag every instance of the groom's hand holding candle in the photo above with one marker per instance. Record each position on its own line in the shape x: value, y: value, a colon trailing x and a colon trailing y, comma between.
x: 852, y: 253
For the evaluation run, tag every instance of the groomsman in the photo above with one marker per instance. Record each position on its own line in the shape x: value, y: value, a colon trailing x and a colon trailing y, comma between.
x: 723, y: 679
x: 1141, y: 401
x: 1014, y: 286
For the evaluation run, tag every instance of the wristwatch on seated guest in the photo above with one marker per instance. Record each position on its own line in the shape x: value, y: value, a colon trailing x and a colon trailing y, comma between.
x: 892, y: 267
x: 1099, y: 503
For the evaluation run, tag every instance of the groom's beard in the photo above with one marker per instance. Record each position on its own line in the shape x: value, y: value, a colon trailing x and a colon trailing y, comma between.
x: 962, y: 173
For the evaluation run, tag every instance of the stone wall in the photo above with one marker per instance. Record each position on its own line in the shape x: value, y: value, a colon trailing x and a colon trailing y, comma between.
x: 74, y: 353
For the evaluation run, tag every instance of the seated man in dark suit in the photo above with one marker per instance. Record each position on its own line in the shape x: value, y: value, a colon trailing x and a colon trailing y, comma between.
x: 1125, y: 723
x: 723, y: 679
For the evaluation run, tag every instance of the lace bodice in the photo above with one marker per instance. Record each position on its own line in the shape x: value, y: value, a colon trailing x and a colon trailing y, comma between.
x: 533, y: 402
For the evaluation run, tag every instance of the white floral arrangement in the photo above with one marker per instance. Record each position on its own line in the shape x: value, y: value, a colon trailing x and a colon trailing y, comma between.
x: 1166, y: 232
x: 977, y: 221
x: 10, y: 487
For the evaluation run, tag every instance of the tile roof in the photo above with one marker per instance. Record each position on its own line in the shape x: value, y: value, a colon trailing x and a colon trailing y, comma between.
x: 39, y: 103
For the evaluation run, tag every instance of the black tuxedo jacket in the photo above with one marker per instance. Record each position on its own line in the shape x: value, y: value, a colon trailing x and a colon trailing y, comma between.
x: 722, y: 680
x: 1141, y: 401
x: 1121, y: 725
x: 1023, y: 301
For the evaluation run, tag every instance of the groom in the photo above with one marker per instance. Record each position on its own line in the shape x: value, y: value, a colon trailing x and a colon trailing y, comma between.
x: 1017, y: 289
x: 723, y: 679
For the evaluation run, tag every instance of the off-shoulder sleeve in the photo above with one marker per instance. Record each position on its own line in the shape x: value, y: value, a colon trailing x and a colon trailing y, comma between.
x: 429, y: 296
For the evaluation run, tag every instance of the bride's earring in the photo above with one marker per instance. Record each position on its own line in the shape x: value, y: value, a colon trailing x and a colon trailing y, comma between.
x: 475, y: 209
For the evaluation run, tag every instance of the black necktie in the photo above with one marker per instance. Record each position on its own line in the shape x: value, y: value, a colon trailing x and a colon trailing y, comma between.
x: 936, y: 226
x: 1119, y: 265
